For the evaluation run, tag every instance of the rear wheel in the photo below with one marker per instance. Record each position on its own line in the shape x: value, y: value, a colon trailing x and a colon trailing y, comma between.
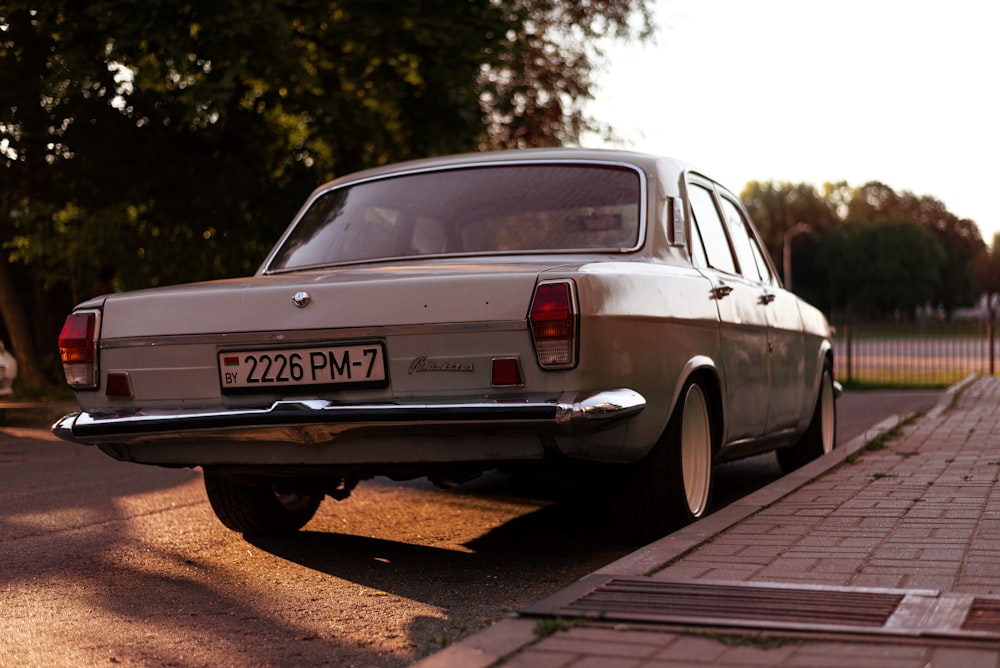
x: 260, y: 507
x: 673, y: 485
x: 821, y: 435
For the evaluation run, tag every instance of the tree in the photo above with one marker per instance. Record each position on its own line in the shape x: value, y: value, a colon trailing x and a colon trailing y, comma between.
x: 875, y: 268
x: 534, y: 92
x: 170, y: 141
x: 959, y: 238
x: 33, y: 125
x: 776, y: 208
x: 988, y: 273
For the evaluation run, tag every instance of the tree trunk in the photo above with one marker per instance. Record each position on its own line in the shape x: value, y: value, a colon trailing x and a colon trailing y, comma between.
x: 30, y: 377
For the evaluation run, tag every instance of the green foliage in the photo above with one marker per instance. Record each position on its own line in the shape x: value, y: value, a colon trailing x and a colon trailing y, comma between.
x: 162, y: 141
x: 875, y: 268
x: 550, y: 625
x: 988, y: 274
x: 779, y: 207
x: 959, y: 238
x: 871, y: 250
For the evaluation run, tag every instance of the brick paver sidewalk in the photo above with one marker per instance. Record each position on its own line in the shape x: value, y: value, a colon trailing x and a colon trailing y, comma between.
x: 917, y: 509
x: 920, y: 511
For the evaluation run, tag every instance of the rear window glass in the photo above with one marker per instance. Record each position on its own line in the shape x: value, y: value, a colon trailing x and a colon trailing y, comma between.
x: 475, y: 210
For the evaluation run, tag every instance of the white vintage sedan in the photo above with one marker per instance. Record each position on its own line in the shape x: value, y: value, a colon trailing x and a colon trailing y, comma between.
x: 8, y: 371
x: 609, y: 314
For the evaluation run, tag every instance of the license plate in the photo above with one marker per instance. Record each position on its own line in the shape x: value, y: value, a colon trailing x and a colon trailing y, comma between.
x: 346, y: 365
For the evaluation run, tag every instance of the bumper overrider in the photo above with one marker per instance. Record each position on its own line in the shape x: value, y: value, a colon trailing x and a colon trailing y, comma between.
x: 290, y: 417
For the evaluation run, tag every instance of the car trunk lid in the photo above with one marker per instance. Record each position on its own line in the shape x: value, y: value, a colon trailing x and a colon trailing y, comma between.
x: 400, y: 294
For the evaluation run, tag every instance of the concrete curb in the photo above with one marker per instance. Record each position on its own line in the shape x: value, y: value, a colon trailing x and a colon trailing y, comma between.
x: 508, y: 636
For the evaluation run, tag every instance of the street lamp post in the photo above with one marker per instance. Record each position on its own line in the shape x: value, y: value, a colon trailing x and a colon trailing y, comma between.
x: 786, y: 254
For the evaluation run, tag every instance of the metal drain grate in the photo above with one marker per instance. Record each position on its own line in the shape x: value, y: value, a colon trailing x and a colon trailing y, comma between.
x: 772, y: 606
x: 686, y: 600
x: 984, y: 616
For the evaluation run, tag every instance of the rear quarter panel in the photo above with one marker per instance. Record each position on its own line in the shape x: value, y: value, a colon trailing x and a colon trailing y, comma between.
x: 643, y: 326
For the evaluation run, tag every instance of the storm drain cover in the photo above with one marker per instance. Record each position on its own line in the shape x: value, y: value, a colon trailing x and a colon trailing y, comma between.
x: 773, y: 606
x: 984, y: 615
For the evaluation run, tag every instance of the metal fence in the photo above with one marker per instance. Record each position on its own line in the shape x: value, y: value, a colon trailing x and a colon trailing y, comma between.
x: 918, y: 354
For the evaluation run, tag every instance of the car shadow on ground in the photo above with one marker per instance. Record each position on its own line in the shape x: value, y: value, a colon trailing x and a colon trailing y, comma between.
x: 555, y: 538
x: 575, y: 526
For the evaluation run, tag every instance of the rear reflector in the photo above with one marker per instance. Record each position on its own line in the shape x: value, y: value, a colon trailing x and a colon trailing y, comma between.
x: 118, y: 385
x: 553, y: 324
x: 507, y: 372
x: 78, y: 349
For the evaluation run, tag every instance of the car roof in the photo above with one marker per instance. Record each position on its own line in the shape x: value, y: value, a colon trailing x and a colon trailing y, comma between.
x: 670, y: 168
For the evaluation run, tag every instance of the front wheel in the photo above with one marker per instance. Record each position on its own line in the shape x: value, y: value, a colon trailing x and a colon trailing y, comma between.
x: 673, y: 485
x: 821, y: 435
x: 259, y: 507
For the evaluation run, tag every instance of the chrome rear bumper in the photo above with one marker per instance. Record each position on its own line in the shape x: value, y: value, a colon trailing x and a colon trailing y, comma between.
x: 590, y: 414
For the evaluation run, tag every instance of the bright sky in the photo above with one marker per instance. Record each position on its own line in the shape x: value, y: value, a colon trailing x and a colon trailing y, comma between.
x: 902, y: 92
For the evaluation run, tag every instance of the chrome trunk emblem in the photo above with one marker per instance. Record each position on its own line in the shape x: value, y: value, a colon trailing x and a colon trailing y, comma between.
x: 301, y: 299
x: 424, y: 365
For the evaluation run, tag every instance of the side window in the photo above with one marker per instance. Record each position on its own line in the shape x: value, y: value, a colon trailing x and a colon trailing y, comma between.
x: 709, y: 225
x: 741, y: 240
x: 738, y: 219
x: 698, y: 257
x: 762, y: 265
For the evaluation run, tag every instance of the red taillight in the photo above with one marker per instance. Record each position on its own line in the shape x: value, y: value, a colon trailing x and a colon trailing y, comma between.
x: 78, y: 349
x: 553, y: 324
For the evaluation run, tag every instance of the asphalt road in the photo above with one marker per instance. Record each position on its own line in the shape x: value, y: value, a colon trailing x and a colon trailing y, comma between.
x: 109, y: 563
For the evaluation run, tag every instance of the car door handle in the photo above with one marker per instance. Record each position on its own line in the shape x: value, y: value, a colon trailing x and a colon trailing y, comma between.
x: 767, y: 298
x: 721, y: 290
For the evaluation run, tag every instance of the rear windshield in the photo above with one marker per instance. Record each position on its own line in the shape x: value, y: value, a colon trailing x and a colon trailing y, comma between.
x: 474, y: 210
